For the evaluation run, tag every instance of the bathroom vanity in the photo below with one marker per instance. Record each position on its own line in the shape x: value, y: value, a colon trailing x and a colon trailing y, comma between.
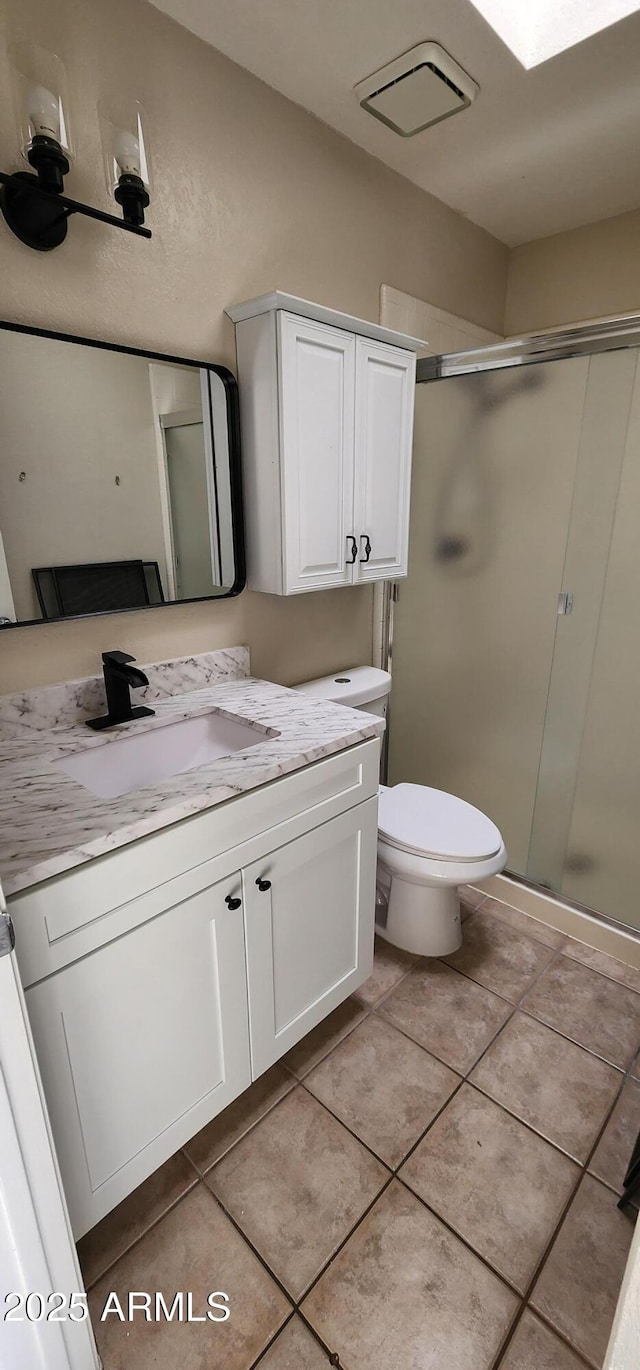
x: 175, y: 940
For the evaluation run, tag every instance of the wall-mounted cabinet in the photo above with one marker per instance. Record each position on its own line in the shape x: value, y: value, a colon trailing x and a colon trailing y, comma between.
x: 327, y: 426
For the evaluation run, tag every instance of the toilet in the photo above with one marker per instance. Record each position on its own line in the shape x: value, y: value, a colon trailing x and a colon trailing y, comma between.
x: 429, y: 842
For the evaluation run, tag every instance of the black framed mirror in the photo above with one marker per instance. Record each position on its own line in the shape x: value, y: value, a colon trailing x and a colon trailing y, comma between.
x: 120, y: 479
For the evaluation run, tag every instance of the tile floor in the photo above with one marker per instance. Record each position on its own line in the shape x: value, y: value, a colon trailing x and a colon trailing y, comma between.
x: 427, y: 1182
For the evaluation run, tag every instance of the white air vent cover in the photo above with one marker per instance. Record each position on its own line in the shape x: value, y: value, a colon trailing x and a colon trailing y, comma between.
x: 420, y: 88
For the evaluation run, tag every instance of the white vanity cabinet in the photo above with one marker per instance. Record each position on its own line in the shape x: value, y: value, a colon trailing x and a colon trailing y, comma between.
x: 307, y: 919
x: 162, y: 978
x: 140, y: 1044
x: 327, y: 430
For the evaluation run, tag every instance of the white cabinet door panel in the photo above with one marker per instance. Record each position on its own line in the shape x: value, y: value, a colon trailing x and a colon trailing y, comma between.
x: 385, y: 391
x: 317, y: 388
x: 142, y: 1043
x: 309, y: 935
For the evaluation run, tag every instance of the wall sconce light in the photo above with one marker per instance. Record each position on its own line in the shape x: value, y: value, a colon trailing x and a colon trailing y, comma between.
x: 32, y: 202
x: 126, y: 162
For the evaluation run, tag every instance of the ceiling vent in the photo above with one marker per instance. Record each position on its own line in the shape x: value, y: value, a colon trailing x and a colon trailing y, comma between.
x: 420, y: 88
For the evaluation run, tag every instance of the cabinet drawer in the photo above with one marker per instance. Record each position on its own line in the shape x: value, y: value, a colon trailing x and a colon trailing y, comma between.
x: 67, y: 917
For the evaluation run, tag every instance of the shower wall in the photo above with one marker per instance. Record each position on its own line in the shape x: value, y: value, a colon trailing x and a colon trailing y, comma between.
x: 526, y: 481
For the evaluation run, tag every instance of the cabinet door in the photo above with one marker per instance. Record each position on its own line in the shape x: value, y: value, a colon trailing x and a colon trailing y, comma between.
x: 140, y: 1044
x: 309, y: 919
x: 385, y: 397
x: 317, y: 391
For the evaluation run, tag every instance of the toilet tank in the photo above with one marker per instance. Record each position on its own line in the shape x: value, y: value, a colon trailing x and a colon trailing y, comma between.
x: 361, y: 687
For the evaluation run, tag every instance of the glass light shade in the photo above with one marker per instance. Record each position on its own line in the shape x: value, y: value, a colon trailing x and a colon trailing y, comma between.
x: 40, y: 97
x: 125, y: 145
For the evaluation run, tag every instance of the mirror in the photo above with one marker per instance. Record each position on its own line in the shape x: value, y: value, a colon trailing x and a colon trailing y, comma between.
x: 119, y: 479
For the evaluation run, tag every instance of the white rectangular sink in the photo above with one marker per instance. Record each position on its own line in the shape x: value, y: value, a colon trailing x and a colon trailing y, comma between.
x: 147, y: 758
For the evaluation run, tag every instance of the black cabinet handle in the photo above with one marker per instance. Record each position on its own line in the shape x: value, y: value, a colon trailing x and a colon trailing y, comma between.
x: 263, y: 885
x: 354, y: 548
x: 232, y: 902
x: 364, y: 537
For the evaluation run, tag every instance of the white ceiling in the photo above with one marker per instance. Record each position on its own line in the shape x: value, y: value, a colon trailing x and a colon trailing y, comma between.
x: 539, y: 151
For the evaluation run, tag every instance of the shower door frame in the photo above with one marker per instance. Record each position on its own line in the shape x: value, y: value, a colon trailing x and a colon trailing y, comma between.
x: 609, y: 335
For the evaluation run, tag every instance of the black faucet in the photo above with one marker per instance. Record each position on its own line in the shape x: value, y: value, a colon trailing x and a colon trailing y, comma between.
x: 119, y: 678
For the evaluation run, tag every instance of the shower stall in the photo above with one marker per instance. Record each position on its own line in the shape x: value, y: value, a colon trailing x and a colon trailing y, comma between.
x: 516, y: 637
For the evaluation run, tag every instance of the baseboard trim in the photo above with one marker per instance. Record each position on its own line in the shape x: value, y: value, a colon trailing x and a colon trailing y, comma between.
x: 585, y: 927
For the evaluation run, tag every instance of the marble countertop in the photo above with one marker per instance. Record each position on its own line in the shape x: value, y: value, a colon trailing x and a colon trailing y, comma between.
x: 50, y: 823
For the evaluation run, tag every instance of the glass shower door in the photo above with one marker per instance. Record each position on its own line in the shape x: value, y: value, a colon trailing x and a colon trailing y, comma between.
x: 602, y: 864
x: 495, y: 457
x: 516, y: 651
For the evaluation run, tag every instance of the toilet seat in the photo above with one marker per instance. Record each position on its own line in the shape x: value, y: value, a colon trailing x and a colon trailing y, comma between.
x: 430, y: 823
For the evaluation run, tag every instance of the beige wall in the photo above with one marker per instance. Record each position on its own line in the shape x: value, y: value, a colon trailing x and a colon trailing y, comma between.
x: 587, y: 273
x: 250, y: 194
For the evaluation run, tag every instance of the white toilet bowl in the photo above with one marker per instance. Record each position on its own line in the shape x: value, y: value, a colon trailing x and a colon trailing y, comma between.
x: 429, y: 842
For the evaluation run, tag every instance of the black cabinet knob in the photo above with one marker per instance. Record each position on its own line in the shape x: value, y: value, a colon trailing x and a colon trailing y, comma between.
x: 353, y: 549
x: 263, y: 885
x: 367, y: 548
x: 232, y: 902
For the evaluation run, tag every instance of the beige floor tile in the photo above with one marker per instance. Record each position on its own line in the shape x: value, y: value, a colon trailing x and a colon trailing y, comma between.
x: 140, y: 1210
x: 635, y: 1069
x: 295, y: 1349
x: 390, y: 965
x: 558, y: 1088
x: 323, y: 1038
x: 497, y: 957
x: 535, y: 1347
x: 297, y: 1184
x: 613, y: 1152
x: 194, y: 1248
x: 522, y: 922
x: 385, y: 1087
x: 405, y: 1294
x: 448, y: 1014
x: 217, y: 1137
x: 579, y: 1286
x: 597, y: 1013
x: 494, y: 1181
x: 607, y: 965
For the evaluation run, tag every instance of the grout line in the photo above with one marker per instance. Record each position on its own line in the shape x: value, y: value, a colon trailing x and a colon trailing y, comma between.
x: 265, y: 1350
x: 343, y: 1243
x: 347, y: 1128
x: 144, y: 1232
x: 291, y: 1084
x: 464, y: 1241
x: 605, y: 974
x: 590, y: 1051
x: 396, y: 985
x: 562, y: 1337
x: 276, y: 1278
x: 365, y: 1014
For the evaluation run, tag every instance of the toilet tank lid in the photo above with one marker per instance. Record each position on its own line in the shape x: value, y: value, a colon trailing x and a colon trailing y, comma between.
x: 357, y: 685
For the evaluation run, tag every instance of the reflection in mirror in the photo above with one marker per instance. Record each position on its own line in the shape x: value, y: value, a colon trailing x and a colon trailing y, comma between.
x: 118, y: 480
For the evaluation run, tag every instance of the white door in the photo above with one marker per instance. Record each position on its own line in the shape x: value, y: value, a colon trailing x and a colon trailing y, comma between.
x: 317, y: 391
x: 37, y: 1253
x: 309, y: 919
x: 191, y: 505
x: 142, y: 1043
x: 385, y: 397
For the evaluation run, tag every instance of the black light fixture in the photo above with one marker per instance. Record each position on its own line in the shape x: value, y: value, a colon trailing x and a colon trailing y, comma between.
x: 128, y: 176
x: 33, y: 202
